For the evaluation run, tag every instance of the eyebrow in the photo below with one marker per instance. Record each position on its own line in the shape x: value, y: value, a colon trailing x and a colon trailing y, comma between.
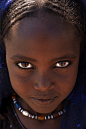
x: 22, y: 57
x: 65, y: 57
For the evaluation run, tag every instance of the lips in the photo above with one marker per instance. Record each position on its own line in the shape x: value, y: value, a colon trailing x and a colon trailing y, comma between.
x: 44, y: 101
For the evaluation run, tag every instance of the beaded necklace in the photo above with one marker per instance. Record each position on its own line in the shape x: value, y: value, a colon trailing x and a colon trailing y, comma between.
x: 37, y: 117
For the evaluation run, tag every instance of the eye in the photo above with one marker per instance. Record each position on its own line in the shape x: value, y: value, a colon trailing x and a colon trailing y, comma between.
x: 62, y: 64
x: 25, y: 65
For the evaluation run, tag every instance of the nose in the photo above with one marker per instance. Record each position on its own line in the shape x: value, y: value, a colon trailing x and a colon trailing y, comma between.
x: 44, y: 83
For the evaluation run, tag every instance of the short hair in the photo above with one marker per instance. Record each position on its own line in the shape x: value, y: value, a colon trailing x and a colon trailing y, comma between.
x: 69, y: 10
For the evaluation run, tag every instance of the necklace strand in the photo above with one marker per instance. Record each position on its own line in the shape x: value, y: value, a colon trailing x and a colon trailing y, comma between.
x: 37, y: 117
x: 17, y: 116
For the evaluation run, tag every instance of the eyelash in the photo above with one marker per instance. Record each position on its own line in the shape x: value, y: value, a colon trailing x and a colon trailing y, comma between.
x: 65, y: 63
x: 68, y: 63
x: 30, y: 67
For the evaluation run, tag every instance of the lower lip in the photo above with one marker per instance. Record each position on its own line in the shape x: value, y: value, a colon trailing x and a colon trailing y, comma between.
x: 44, y: 102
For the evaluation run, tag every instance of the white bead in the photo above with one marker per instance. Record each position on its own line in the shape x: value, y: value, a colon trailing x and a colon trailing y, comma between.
x: 15, y: 101
x: 10, y: 126
x: 64, y: 110
x: 21, y: 110
x: 45, y: 117
x: 32, y: 116
x: 48, y: 117
x: 59, y: 113
x: 52, y: 116
x: 25, y: 113
x: 35, y: 117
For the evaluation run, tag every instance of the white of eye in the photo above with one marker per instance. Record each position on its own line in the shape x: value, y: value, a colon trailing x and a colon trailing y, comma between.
x: 62, y: 64
x: 25, y: 65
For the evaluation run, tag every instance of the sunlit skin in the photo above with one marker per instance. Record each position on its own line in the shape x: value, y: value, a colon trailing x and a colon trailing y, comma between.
x: 45, y: 41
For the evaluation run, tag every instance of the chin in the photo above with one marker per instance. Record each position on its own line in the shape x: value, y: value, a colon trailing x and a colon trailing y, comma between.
x: 44, y: 109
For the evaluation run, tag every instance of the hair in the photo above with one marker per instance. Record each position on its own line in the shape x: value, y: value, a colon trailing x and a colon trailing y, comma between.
x: 69, y: 10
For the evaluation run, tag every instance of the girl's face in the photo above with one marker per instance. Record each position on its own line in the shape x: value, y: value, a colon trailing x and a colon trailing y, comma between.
x: 42, y: 57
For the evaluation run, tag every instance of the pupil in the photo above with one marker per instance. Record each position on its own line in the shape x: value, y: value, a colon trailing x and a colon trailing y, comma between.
x: 24, y: 64
x: 63, y: 63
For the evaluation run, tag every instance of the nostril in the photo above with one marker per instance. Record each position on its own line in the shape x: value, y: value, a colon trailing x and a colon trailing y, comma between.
x: 36, y: 85
x: 52, y: 85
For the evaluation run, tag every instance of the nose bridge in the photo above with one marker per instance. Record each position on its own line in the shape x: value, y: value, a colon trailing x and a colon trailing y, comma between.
x: 44, y: 82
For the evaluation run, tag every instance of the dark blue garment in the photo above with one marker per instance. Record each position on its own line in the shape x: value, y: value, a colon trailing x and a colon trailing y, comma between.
x: 4, y: 5
x: 75, y: 117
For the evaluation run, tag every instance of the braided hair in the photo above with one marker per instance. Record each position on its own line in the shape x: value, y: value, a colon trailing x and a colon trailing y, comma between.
x: 69, y: 10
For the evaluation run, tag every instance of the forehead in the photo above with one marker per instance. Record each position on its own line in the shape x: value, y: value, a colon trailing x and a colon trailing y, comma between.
x: 43, y: 22
x: 45, y: 34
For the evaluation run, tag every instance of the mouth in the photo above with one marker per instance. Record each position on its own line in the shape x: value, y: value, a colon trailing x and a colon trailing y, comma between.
x: 44, y: 101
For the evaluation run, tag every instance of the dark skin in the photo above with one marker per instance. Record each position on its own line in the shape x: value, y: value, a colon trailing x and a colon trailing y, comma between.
x: 53, y: 49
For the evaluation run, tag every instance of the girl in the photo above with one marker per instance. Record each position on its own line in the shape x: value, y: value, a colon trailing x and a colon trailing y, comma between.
x: 43, y: 42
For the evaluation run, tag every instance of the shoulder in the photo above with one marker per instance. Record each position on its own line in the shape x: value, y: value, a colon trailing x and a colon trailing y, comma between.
x: 6, y: 114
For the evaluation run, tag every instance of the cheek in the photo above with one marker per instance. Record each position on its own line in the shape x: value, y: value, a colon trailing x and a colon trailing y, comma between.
x: 67, y: 81
x: 21, y: 83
